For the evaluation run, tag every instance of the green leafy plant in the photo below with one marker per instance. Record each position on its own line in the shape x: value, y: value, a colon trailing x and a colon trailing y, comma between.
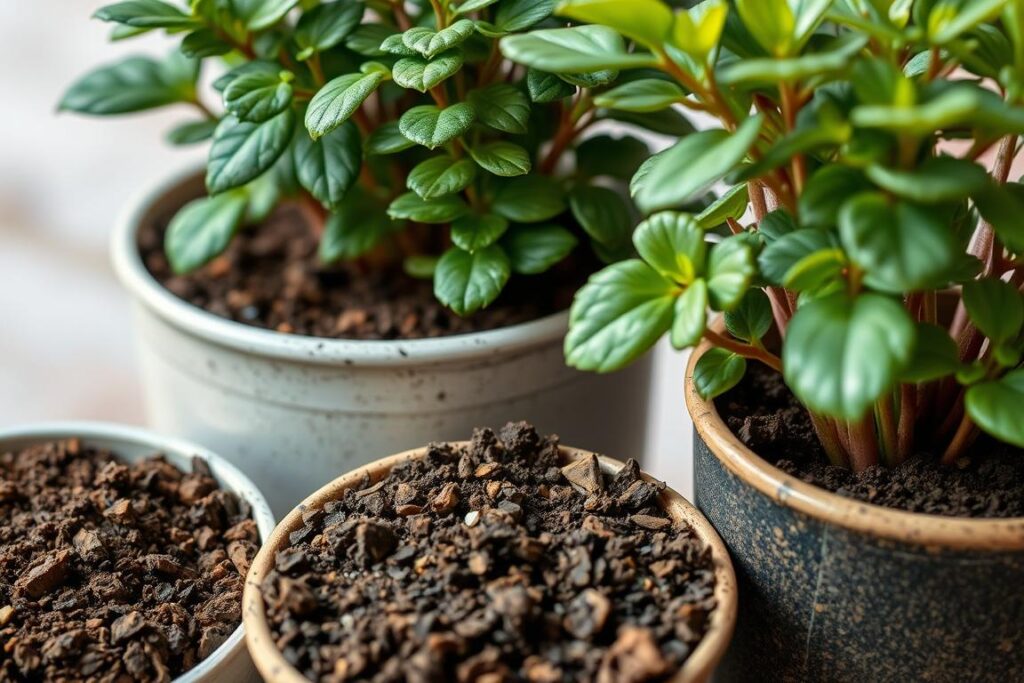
x: 853, y: 130
x: 400, y: 125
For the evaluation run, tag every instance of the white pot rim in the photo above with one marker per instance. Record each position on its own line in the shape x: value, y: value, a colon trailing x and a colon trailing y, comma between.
x: 227, y: 475
x: 133, y: 274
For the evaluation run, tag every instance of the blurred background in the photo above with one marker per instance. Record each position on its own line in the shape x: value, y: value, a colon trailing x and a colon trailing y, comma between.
x: 66, y: 349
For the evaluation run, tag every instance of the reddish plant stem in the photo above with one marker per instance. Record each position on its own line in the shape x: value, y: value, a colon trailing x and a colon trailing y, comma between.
x: 908, y: 419
x: 965, y: 435
x: 863, y: 445
x: 745, y: 350
x: 828, y: 435
x: 887, y: 427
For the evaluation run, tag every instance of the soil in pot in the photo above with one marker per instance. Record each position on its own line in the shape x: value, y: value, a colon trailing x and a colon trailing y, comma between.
x: 114, y: 571
x: 492, y: 563
x: 271, y: 277
x: 766, y: 417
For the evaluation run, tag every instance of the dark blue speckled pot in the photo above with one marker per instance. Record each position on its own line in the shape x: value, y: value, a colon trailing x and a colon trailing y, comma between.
x: 831, y: 589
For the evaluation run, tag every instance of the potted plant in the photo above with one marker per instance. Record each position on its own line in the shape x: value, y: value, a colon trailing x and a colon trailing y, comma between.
x: 877, y: 286
x: 392, y: 217
x: 123, y: 556
x: 502, y: 558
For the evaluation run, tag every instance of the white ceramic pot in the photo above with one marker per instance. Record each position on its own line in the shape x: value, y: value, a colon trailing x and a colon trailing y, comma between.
x: 230, y: 663
x: 294, y: 412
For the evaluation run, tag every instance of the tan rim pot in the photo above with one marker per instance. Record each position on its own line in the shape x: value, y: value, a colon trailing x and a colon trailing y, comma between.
x: 834, y: 589
x: 230, y: 663
x: 275, y: 669
x: 295, y: 411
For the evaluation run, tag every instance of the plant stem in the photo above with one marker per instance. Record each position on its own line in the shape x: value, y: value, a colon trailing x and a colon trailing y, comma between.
x: 829, y: 437
x: 887, y: 426
x: 863, y: 444
x: 908, y: 420
x: 964, y: 437
x: 745, y: 350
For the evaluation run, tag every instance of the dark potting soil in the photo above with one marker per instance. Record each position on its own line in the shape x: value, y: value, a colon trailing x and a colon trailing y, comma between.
x: 764, y: 414
x: 115, y: 572
x: 492, y: 563
x: 271, y: 277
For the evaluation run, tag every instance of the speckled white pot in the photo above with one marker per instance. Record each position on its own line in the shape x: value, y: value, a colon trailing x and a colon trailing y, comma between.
x: 295, y: 412
x: 230, y: 663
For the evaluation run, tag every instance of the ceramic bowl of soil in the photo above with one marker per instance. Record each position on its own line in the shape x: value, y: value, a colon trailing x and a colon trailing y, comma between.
x: 501, y: 558
x: 267, y: 352
x: 902, y: 574
x: 122, y: 557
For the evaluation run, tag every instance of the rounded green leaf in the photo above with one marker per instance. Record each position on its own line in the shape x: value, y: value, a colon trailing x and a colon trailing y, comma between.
x: 935, y: 355
x: 325, y: 26
x: 752, y: 318
x: 441, y: 175
x: 842, y: 353
x: 718, y: 371
x: 203, y: 228
x: 646, y: 21
x: 825, y: 193
x: 338, y: 100
x: 731, y: 204
x: 995, y: 307
x: 467, y: 282
x: 257, y: 96
x: 730, y: 272
x: 502, y: 158
x: 428, y: 42
x: 546, y: 87
x: 387, y: 139
x: 901, y: 246
x: 1003, y: 207
x: 328, y: 167
x: 242, y: 150
x: 146, y: 14
x: 817, y: 271
x: 673, y: 244
x: 431, y: 127
x: 580, y: 49
x: 644, y: 95
x: 771, y: 22
x: 410, y: 206
x: 503, y: 107
x: 690, y: 316
x: 529, y: 199
x: 355, y: 227
x: 782, y: 253
x: 516, y: 15
x: 603, y: 215
x: 996, y: 407
x: 533, y: 249
x: 134, y: 84
x: 419, y: 73
x: 192, y: 132
x: 619, y: 314
x: 475, y: 231
x: 937, y: 180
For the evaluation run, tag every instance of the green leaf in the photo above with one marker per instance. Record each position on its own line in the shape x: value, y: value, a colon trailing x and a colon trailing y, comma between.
x: 935, y: 355
x: 781, y: 254
x: 135, y: 84
x: 688, y: 169
x: 395, y: 45
x: 355, y: 227
x: 644, y: 95
x: 420, y: 267
x: 842, y: 354
x: 221, y: 83
x: 411, y: 206
x: 204, y: 43
x: 836, y: 58
x: 771, y: 22
x: 958, y: 105
x: 146, y: 14
x: 1003, y: 207
x: 441, y: 175
x: 258, y: 96
x: 646, y: 21
x: 503, y: 107
x: 338, y: 100
x: 732, y: 204
x: 533, y: 249
x: 697, y: 33
x: 419, y: 73
x: 616, y: 157
x: 580, y: 49
x: 475, y: 231
x: 775, y: 225
x: 327, y: 25
x: 474, y: 6
x: 949, y: 21
x: 242, y: 150
x: 937, y: 180
x: 995, y: 307
x: 717, y: 371
x: 467, y: 282
x: 619, y: 314
x: 387, y: 139
x: 259, y: 15
x: 546, y: 87
x: 902, y: 247
x: 529, y: 199
x: 996, y: 407
x: 328, y: 167
x: 516, y: 15
x: 752, y: 318
x: 192, y: 132
x: 730, y: 272
x: 664, y: 122
x: 502, y: 158
x: 367, y: 38
x: 432, y: 127
x: 817, y: 271
x: 603, y: 215
x: 825, y: 193
x: 690, y: 315
x: 202, y: 229
x: 428, y: 42
x: 673, y: 245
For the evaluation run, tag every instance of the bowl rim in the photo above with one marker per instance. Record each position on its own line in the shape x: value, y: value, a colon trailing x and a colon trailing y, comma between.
x: 227, y: 475
x: 131, y: 271
x: 698, y: 666
x: 913, y: 528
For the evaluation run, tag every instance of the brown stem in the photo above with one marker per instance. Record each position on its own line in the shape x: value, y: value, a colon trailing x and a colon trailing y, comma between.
x: 745, y: 350
x: 863, y: 444
x: 757, y: 199
x: 828, y: 435
x: 908, y: 419
x: 563, y: 136
x: 887, y: 427
x: 964, y: 437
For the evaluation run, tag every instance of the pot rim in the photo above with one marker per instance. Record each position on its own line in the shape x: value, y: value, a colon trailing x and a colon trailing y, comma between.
x: 196, y: 321
x: 913, y: 528
x: 698, y: 667
x: 226, y: 474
